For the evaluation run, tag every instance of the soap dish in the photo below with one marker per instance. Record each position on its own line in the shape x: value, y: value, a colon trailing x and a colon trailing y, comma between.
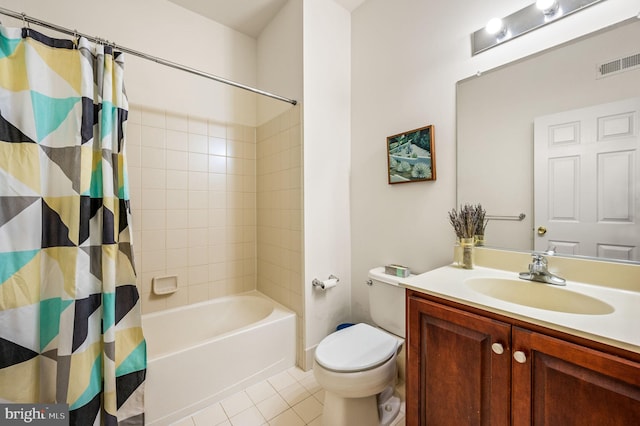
x: 165, y: 285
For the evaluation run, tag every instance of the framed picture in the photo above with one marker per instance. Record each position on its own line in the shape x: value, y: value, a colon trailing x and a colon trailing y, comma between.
x: 411, y: 156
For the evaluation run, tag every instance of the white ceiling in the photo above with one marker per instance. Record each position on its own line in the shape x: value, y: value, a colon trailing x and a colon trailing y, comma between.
x: 247, y: 16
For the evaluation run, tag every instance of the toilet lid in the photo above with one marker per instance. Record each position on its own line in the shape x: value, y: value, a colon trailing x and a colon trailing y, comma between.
x: 356, y: 348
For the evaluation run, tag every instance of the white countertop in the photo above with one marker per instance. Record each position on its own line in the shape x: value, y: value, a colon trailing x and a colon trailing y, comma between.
x: 620, y: 328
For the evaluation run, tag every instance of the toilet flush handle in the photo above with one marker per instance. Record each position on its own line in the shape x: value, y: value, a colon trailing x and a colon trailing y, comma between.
x: 369, y: 283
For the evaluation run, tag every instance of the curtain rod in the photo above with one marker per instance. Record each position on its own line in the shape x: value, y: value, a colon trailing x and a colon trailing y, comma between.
x: 25, y: 18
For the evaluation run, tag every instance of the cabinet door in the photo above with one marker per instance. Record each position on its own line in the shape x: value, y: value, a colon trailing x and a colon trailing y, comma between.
x: 560, y: 383
x: 454, y: 376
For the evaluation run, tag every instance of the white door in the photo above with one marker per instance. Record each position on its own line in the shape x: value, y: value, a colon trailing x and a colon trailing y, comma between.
x: 587, y: 181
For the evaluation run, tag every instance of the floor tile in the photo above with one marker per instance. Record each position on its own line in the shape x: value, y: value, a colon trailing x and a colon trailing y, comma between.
x: 288, y: 418
x: 316, y: 422
x: 308, y: 409
x: 249, y: 417
x: 236, y: 403
x: 310, y: 383
x: 261, y: 391
x: 272, y: 406
x: 290, y: 398
x: 281, y: 381
x: 212, y: 415
x: 294, y: 393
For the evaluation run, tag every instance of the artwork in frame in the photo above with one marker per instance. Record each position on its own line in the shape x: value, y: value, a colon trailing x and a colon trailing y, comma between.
x: 411, y: 156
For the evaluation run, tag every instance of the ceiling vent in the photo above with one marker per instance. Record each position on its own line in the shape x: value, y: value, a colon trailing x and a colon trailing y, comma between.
x: 619, y: 65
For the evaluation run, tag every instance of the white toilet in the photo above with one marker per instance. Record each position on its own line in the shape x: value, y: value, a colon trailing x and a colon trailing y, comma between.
x: 356, y: 366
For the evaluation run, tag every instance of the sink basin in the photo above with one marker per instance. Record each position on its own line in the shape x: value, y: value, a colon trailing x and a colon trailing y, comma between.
x: 538, y: 295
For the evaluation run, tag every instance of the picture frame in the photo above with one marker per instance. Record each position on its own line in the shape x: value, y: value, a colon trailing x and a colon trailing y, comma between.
x: 411, y: 156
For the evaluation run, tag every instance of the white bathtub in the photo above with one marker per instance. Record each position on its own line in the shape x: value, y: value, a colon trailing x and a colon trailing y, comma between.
x: 199, y: 354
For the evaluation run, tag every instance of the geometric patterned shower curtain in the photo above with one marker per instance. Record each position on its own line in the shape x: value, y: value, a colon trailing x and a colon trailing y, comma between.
x: 70, y: 325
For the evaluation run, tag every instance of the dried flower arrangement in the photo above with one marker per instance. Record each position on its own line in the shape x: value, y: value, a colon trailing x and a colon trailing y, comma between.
x: 481, y: 223
x: 468, y: 221
x: 469, y: 224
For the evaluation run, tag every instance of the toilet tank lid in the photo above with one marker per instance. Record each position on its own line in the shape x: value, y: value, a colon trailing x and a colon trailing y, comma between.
x: 379, y: 275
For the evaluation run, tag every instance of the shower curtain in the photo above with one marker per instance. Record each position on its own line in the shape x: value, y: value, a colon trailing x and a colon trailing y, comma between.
x: 70, y: 326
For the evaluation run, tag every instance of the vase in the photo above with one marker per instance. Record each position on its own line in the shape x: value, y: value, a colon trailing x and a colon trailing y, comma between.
x: 467, y: 245
x: 479, y: 240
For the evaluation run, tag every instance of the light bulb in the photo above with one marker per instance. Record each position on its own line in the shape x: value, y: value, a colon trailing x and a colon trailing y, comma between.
x: 548, y: 7
x: 495, y: 26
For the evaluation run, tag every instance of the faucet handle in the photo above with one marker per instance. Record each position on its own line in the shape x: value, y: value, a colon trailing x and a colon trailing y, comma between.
x: 538, y: 257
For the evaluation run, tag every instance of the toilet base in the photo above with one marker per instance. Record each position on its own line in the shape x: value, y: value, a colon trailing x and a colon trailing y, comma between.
x: 339, y: 411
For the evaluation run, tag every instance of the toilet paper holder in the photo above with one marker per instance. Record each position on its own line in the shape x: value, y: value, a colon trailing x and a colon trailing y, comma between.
x: 321, y: 284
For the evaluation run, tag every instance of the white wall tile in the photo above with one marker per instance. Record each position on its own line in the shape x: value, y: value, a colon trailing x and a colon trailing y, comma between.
x: 177, y: 141
x: 154, y: 179
x: 189, y: 213
x: 178, y: 160
x: 217, y: 164
x: 153, y: 137
x: 153, y: 158
x: 179, y: 218
x: 177, y: 179
x: 198, y: 143
x: 198, y: 162
x: 177, y: 238
x: 217, y: 146
x: 198, y: 181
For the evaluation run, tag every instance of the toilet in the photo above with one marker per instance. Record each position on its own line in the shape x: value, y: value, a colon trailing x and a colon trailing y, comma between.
x: 356, y: 365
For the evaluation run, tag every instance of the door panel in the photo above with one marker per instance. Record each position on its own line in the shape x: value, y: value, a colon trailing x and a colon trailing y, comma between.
x: 587, y: 180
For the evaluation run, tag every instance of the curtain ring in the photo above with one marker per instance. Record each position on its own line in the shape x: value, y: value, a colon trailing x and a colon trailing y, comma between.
x: 25, y: 23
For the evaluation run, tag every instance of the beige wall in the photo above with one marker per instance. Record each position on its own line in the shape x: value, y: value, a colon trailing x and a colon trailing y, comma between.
x: 327, y: 160
x: 193, y: 198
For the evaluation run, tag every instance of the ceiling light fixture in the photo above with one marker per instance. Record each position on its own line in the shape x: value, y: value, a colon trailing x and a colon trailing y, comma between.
x: 548, y: 7
x: 529, y: 18
x: 496, y: 27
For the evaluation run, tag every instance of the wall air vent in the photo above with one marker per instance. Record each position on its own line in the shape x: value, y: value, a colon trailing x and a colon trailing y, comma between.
x: 618, y: 65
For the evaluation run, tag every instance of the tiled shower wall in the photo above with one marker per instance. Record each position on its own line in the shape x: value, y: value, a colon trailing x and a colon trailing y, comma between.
x: 279, y: 206
x: 193, y: 197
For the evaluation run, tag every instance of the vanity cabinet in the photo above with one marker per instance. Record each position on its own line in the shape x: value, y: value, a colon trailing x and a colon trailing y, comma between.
x: 468, y: 368
x: 560, y: 383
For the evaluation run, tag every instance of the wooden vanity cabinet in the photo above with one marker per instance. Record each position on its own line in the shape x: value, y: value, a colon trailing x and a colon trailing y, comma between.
x: 464, y: 368
x: 561, y: 383
x: 454, y: 377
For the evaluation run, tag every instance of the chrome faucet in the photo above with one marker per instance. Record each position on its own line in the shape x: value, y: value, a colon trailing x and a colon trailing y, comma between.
x: 538, y: 271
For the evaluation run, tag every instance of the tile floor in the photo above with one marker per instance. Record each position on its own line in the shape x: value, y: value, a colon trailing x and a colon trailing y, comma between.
x: 291, y: 398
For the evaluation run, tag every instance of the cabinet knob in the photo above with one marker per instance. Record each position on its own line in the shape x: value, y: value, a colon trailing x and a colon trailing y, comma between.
x: 497, y: 348
x: 520, y: 357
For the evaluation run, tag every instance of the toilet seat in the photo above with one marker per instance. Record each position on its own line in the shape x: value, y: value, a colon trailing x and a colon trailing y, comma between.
x: 356, y: 348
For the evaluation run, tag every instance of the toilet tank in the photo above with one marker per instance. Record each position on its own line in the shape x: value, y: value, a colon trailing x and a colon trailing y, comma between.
x: 387, y: 301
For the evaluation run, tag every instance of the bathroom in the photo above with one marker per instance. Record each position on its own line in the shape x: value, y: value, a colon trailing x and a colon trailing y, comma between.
x: 361, y: 71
